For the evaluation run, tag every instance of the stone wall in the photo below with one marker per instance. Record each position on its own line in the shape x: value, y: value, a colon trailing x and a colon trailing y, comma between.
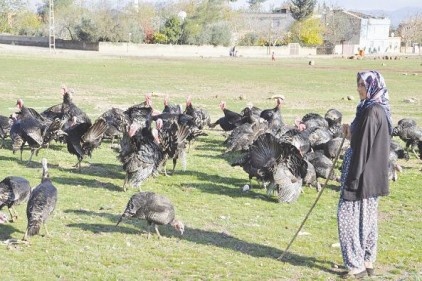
x: 43, y: 42
x: 157, y: 50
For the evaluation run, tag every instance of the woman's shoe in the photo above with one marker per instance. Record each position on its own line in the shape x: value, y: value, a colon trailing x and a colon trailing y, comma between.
x: 358, y: 275
x: 370, y: 271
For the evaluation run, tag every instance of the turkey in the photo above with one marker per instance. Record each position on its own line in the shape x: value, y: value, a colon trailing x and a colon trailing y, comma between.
x: 318, y: 137
x: 41, y: 203
x: 200, y: 116
x: 396, y: 152
x: 182, y: 120
x: 252, y: 111
x: 273, y: 116
x: 278, y: 163
x: 229, y: 121
x: 242, y: 137
x: 410, y: 133
x: 334, y: 118
x: 140, y: 114
x: 117, y: 121
x: 171, y: 108
x: 13, y: 191
x: 333, y: 145
x: 323, y: 165
x: 155, y: 209
x: 83, y: 138
x: 28, y: 129
x: 173, y: 139
x: 70, y: 111
x: 140, y: 154
x: 53, y: 112
x: 289, y: 173
x: 5, y: 124
x: 314, y: 120
x: 300, y: 139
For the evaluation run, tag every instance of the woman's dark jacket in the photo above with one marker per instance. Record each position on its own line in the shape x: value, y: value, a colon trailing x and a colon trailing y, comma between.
x: 368, y: 171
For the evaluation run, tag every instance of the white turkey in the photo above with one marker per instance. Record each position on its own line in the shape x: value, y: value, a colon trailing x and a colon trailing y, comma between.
x: 155, y: 209
x: 41, y: 204
x: 13, y: 191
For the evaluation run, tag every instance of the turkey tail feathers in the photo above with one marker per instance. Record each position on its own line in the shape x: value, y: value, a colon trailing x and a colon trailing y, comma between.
x: 96, y: 131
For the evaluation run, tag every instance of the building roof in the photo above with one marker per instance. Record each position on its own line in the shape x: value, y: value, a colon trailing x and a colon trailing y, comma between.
x: 360, y: 15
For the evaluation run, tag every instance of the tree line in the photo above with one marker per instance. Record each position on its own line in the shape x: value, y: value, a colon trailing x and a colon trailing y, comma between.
x: 211, y: 22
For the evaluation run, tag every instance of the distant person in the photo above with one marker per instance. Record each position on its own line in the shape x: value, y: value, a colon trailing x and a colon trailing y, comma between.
x: 233, y: 51
x: 273, y: 56
x: 364, y: 175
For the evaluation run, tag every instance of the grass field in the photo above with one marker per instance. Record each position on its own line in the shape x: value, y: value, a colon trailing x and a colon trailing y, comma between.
x: 229, y: 235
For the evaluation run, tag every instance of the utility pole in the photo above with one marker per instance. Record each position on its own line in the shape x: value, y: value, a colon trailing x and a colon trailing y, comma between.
x: 51, y: 35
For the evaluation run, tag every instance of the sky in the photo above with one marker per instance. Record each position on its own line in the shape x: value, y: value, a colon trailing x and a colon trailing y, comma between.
x: 387, y: 5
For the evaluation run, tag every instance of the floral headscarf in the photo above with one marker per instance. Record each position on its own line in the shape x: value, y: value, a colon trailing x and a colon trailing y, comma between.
x: 376, y: 93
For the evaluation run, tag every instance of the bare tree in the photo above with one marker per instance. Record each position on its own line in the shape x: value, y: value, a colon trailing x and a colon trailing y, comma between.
x: 411, y: 30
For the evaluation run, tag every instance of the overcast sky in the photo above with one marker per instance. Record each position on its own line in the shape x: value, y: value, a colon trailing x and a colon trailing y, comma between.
x: 387, y: 5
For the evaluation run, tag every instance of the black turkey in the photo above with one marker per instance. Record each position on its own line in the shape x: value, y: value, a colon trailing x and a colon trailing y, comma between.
x: 410, y: 133
x: 323, y: 165
x: 155, y: 209
x: 229, y: 121
x: 396, y: 152
x: 83, y: 138
x: 41, y: 204
x: 242, y: 137
x: 173, y: 139
x: 333, y: 146
x: 5, y: 125
x: 200, y: 116
x: 140, y: 114
x: 140, y: 154
x: 28, y: 129
x: 13, y: 191
x: 276, y: 163
x: 334, y: 118
x: 289, y: 173
x: 314, y: 120
x: 117, y: 122
x: 171, y: 108
x: 273, y: 116
x: 70, y: 113
x: 53, y: 112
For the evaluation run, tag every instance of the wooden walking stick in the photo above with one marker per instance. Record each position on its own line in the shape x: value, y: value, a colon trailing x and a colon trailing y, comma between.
x: 316, y: 200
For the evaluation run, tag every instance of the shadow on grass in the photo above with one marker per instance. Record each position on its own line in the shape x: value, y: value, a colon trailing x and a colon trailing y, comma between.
x: 35, y: 163
x: 97, y: 169
x: 93, y: 183
x: 199, y: 236
x: 6, y: 231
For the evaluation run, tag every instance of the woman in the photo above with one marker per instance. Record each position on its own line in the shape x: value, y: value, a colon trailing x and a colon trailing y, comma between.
x: 365, y: 175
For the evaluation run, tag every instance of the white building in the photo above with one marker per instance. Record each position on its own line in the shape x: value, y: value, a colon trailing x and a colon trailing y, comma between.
x: 372, y: 35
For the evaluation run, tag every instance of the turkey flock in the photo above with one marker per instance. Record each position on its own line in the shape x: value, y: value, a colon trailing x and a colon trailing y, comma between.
x: 282, y: 158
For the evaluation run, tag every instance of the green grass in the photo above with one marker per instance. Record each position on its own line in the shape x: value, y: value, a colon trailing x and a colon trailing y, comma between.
x: 229, y: 235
